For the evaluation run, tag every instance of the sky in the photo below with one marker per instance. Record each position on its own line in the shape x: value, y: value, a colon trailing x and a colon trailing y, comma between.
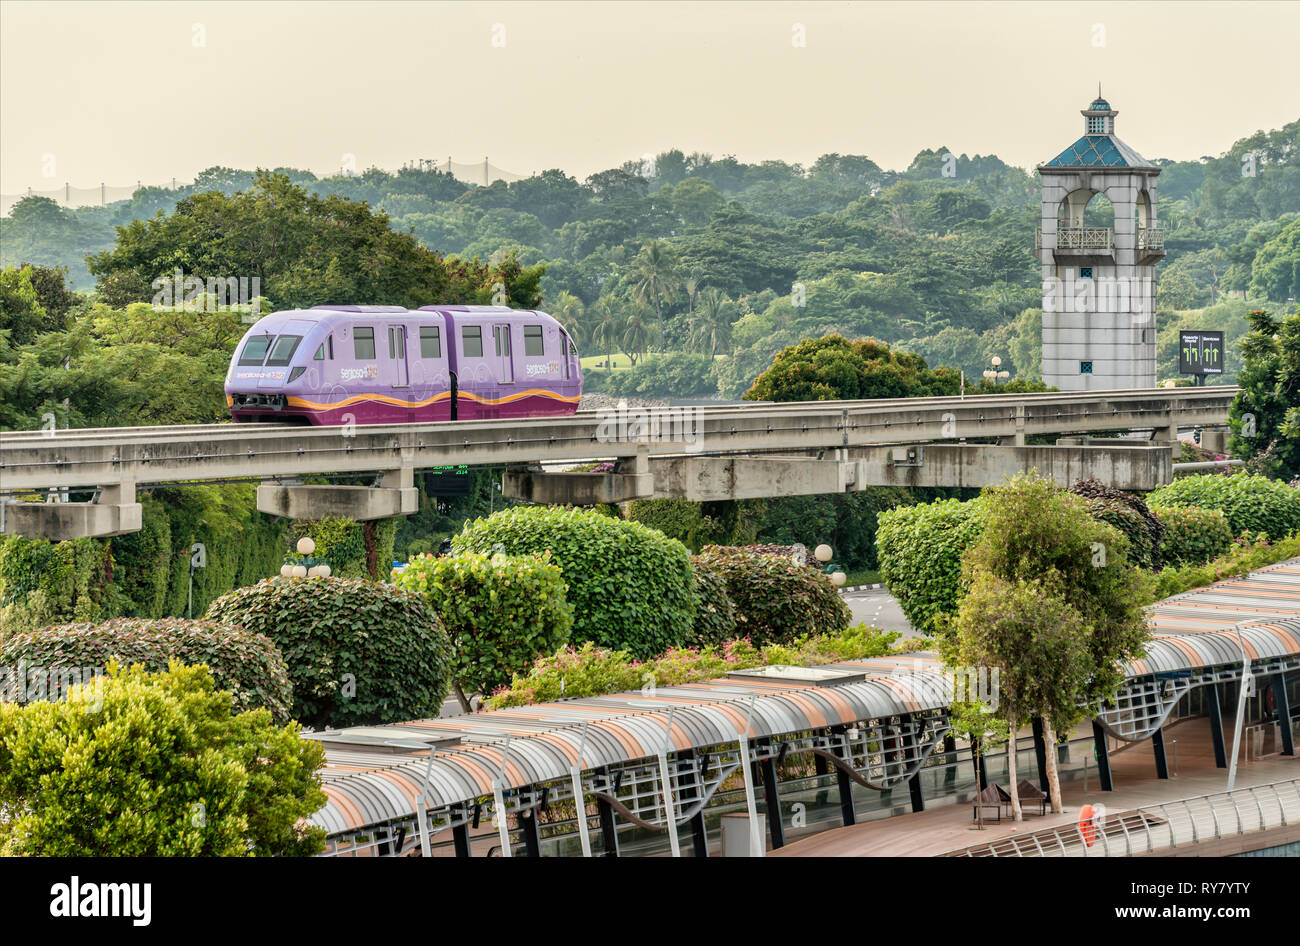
x: 125, y: 92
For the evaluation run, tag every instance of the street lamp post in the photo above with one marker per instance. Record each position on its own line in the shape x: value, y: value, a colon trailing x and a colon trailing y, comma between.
x: 823, y: 554
x: 996, y: 374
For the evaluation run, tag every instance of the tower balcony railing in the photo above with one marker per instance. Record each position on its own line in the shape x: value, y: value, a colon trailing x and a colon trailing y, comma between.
x: 1151, y: 238
x: 1079, y: 238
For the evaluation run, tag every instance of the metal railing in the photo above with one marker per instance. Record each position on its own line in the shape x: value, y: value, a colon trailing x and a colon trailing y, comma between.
x: 1162, y: 827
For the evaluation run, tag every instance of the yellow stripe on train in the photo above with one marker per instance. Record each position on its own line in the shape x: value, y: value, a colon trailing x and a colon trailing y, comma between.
x: 398, y: 402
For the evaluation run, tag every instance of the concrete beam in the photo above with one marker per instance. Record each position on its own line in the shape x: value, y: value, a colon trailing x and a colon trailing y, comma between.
x: 576, y: 489
x: 707, y: 479
x: 395, y: 495
x: 1129, y: 467
x: 114, y: 512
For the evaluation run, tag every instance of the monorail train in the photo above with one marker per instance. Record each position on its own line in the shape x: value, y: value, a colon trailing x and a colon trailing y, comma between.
x: 373, y: 364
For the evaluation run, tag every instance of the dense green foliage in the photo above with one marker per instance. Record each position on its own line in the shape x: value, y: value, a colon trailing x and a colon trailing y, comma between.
x: 920, y: 550
x: 715, y: 614
x: 358, y: 652
x: 500, y: 611
x: 835, y: 369
x: 776, y: 600
x: 1193, y: 535
x: 591, y: 671
x: 697, y: 524
x: 1265, y: 415
x: 247, y: 665
x: 1250, y: 502
x: 1244, y: 555
x: 1037, y: 533
x: 1129, y: 514
x: 631, y: 586
x: 164, y: 766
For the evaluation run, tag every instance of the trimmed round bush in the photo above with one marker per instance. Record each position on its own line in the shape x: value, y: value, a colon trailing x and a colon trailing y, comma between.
x: 776, y: 600
x: 1127, y: 513
x: 358, y: 652
x: 631, y: 587
x: 246, y: 664
x: 500, y: 611
x: 1193, y: 535
x: 919, y: 548
x: 1250, y: 502
x: 715, y: 615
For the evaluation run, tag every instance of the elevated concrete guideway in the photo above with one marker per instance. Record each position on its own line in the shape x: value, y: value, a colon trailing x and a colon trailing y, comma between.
x: 117, y: 460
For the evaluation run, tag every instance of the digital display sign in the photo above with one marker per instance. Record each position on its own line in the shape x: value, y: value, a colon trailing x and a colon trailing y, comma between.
x: 1200, y: 353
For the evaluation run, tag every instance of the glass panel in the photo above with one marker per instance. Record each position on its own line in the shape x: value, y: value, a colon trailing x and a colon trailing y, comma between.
x: 430, y: 342
x: 471, y: 340
x: 320, y: 353
x: 533, y: 344
x: 363, y: 342
x: 283, y: 349
x: 254, y: 352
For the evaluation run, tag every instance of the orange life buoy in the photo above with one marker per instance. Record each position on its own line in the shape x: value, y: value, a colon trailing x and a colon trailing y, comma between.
x: 1086, y: 827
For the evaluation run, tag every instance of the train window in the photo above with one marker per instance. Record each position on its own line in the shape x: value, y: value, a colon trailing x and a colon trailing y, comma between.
x: 283, y: 349
x: 430, y: 342
x: 533, y: 344
x: 396, y: 342
x: 329, y: 345
x: 363, y: 341
x: 254, y: 352
x: 320, y: 353
x: 471, y: 340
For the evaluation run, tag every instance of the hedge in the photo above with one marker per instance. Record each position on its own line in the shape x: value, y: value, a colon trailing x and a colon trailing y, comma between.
x: 501, y: 612
x: 165, y: 766
x: 352, y: 549
x: 1193, y: 535
x: 715, y: 614
x: 920, y: 549
x: 1254, y: 503
x: 776, y: 600
x: 246, y: 664
x: 631, y: 586
x: 46, y: 582
x: 358, y: 652
x: 1242, y: 557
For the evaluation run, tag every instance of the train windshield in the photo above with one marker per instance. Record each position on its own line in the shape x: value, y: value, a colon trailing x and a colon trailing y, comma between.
x: 283, y: 349
x: 255, y: 350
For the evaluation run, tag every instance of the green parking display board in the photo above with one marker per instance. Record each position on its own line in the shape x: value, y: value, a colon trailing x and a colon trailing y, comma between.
x: 448, y: 481
x: 1200, y: 353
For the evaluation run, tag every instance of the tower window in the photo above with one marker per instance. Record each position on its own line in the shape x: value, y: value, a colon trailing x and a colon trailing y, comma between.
x: 1085, y: 272
x: 1096, y: 125
x: 1085, y: 367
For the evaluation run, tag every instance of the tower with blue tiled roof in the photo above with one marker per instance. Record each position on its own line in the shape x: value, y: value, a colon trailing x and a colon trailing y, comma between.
x: 1099, y: 280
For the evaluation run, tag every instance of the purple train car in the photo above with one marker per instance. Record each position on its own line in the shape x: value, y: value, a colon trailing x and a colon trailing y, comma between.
x: 335, y: 364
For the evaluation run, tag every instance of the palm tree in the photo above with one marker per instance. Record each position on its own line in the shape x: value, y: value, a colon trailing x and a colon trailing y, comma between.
x: 712, y: 330
x: 654, y: 275
x: 636, y: 336
x: 606, y: 331
x: 568, y: 310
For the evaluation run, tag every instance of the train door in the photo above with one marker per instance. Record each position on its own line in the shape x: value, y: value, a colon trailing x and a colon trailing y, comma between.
x: 505, y: 362
x: 397, y: 355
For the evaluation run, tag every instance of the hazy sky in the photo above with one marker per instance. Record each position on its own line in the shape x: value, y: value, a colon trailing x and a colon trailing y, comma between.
x: 147, y: 91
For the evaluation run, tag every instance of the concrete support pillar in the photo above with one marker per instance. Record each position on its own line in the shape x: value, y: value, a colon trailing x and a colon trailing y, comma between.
x: 114, y: 512
x: 395, y: 495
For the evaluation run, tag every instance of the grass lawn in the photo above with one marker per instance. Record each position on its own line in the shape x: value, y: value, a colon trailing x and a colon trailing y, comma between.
x: 861, y: 576
x: 618, y: 360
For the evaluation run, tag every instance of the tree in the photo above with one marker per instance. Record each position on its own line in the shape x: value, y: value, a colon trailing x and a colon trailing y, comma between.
x: 1043, y: 564
x: 636, y: 335
x: 568, y: 311
x: 608, y: 329
x: 712, y: 329
x: 654, y: 279
x: 833, y: 368
x: 162, y: 767
x: 501, y: 613
x: 1265, y: 415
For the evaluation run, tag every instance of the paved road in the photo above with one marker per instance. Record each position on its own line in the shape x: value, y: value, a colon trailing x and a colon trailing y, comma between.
x: 879, y: 609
